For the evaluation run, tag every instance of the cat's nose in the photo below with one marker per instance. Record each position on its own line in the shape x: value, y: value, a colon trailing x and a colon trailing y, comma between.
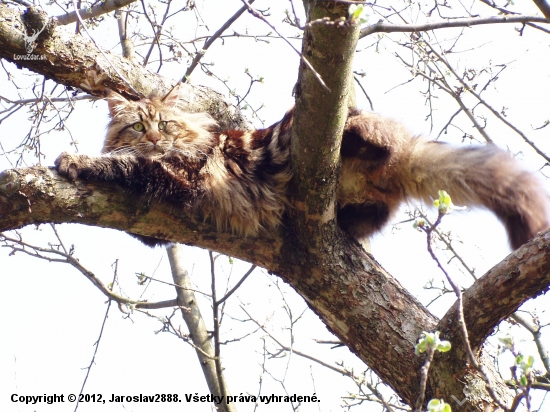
x: 153, y: 138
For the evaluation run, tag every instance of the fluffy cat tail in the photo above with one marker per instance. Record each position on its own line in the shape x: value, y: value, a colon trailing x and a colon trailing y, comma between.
x: 479, y: 176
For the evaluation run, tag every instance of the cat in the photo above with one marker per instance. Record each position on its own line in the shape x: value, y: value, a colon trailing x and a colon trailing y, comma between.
x: 237, y: 179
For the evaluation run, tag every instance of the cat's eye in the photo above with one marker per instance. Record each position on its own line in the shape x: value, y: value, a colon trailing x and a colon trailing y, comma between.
x: 138, y: 127
x: 162, y: 125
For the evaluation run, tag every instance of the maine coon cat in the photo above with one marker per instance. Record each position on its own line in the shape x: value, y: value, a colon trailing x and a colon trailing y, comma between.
x: 237, y: 179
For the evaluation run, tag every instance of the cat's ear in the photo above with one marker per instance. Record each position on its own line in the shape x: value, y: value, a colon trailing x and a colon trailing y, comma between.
x: 171, y: 99
x: 116, y: 102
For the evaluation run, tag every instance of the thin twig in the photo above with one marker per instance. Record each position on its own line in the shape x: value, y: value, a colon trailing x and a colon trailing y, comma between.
x: 210, y: 40
x: 215, y: 319
x: 157, y: 33
x: 67, y: 258
x: 430, y: 352
x: 364, y: 92
x: 92, y: 362
x: 308, y: 64
x: 502, y: 10
x: 239, y: 283
x: 484, y: 103
x: 534, y: 329
x: 340, y: 370
x: 460, y: 315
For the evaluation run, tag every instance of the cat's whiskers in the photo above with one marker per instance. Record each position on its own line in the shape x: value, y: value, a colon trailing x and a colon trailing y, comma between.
x: 123, y: 150
x: 191, y: 153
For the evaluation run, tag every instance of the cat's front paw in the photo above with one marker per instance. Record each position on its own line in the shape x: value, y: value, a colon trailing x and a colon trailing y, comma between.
x: 70, y: 165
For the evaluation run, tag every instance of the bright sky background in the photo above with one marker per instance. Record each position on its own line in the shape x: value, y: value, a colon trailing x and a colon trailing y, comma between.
x: 51, y: 314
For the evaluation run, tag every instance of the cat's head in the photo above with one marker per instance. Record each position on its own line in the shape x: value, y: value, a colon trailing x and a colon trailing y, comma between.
x: 155, y: 126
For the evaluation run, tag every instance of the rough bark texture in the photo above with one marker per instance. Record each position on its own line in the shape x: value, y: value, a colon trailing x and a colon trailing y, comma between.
x: 362, y: 304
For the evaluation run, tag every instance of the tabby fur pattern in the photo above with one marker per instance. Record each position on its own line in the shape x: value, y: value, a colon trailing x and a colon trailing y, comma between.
x: 237, y: 179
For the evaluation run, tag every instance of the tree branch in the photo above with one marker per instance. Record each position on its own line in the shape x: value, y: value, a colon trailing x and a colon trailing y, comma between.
x: 198, y: 332
x: 331, y: 291
x: 64, y: 257
x: 321, y: 112
x: 95, y: 11
x: 76, y: 62
x: 40, y: 195
x: 544, y: 7
x: 382, y: 27
x: 382, y: 320
x: 523, y: 275
x: 358, y: 301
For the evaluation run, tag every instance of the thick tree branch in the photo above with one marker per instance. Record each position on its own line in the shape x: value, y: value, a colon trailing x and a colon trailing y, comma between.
x: 544, y: 7
x: 321, y: 113
x: 76, y: 62
x: 95, y: 11
x: 39, y: 195
x: 356, y: 298
x: 382, y: 27
x: 363, y: 305
x: 523, y: 275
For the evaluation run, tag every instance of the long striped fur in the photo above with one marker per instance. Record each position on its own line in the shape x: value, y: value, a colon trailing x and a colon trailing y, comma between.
x: 237, y: 179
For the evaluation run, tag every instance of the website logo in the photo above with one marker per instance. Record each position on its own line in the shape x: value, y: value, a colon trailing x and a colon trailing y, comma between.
x: 30, y: 44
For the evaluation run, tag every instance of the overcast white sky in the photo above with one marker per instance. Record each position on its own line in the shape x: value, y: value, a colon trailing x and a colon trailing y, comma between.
x: 51, y: 314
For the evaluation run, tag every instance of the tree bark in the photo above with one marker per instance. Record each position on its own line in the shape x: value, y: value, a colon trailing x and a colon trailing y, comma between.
x: 358, y: 301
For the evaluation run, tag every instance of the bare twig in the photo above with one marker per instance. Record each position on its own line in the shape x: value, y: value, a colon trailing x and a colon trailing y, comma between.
x: 239, y: 283
x: 502, y: 10
x: 460, y: 315
x: 174, y: 285
x: 157, y: 31
x: 364, y: 92
x: 443, y: 85
x: 50, y: 99
x: 487, y: 105
x: 92, y: 362
x: 430, y: 352
x: 66, y: 257
x: 449, y: 246
x: 341, y: 370
x: 307, y: 63
x: 534, y: 329
x: 208, y: 42
x: 215, y: 318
